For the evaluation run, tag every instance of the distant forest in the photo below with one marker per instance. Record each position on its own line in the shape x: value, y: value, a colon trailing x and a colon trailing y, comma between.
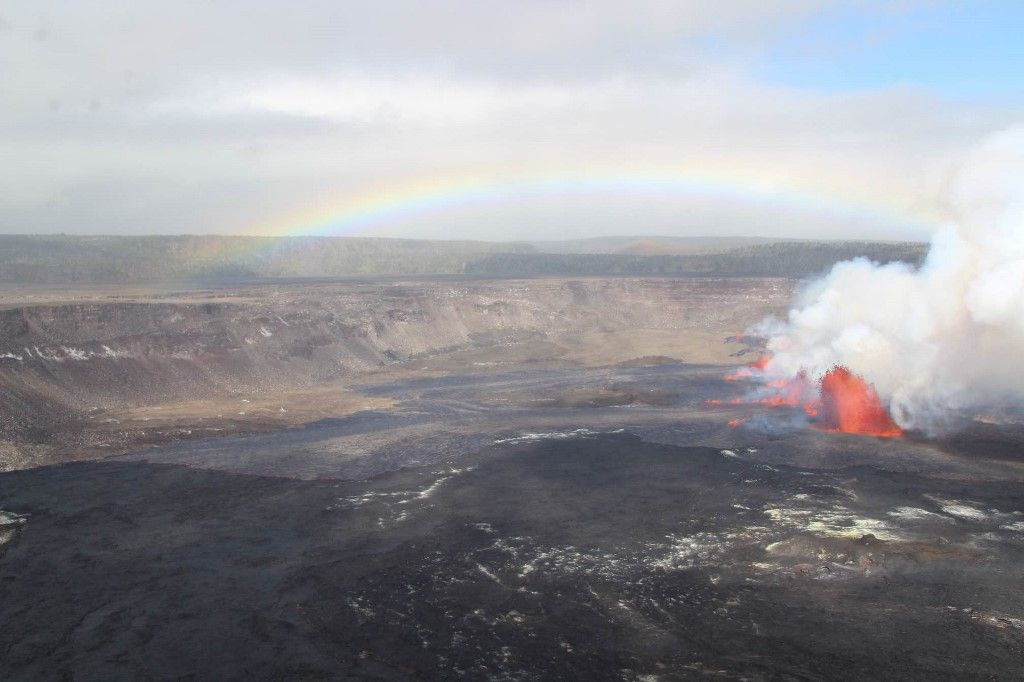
x: 112, y: 260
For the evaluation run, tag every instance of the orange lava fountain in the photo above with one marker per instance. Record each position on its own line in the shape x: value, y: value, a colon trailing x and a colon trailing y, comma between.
x: 843, y: 403
x: 850, y: 405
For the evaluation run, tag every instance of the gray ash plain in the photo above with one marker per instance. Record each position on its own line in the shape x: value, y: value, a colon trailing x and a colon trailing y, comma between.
x: 550, y: 523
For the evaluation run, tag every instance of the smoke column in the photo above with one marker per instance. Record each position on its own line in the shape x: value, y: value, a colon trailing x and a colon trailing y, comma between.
x: 936, y: 340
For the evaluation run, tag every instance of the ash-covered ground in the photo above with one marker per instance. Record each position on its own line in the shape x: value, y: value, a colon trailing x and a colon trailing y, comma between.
x: 504, y: 513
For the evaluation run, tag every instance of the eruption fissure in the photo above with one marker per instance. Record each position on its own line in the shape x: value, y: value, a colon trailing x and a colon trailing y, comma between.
x: 839, y: 402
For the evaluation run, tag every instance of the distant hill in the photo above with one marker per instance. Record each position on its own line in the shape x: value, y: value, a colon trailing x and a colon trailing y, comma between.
x: 649, y: 245
x: 113, y: 260
x: 779, y: 259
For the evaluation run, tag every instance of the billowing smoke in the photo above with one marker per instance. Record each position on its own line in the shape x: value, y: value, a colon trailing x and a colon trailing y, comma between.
x: 937, y: 340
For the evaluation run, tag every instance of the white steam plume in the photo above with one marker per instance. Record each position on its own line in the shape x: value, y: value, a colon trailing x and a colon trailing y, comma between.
x: 938, y: 339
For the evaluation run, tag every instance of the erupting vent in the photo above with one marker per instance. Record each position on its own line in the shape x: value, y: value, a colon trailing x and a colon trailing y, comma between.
x: 849, y: 404
x: 843, y: 401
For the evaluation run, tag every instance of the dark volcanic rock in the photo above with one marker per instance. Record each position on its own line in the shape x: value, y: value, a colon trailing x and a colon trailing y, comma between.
x: 594, y: 557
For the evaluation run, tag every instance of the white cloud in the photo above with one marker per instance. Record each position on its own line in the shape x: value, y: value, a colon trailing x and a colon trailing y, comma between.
x: 231, y: 116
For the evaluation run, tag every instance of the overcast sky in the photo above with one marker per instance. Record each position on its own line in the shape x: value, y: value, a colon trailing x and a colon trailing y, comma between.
x: 736, y: 117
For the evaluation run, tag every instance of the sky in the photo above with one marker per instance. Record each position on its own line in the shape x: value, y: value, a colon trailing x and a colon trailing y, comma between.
x: 498, y: 120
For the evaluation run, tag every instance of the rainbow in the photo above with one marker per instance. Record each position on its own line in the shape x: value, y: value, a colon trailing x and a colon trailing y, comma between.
x: 404, y: 203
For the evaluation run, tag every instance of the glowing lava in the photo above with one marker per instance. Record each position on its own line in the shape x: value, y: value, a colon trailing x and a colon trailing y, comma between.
x: 843, y: 402
x: 750, y: 370
x: 786, y: 392
x: 850, y: 405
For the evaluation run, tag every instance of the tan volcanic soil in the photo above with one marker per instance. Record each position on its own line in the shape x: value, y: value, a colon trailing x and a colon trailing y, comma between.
x: 285, y: 407
x: 599, y: 348
x: 597, y: 396
x: 116, y: 431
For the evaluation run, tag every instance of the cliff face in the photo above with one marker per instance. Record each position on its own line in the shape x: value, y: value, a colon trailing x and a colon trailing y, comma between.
x: 66, y: 364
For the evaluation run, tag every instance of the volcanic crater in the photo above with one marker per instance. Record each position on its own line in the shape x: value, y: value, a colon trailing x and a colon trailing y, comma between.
x: 483, y: 479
